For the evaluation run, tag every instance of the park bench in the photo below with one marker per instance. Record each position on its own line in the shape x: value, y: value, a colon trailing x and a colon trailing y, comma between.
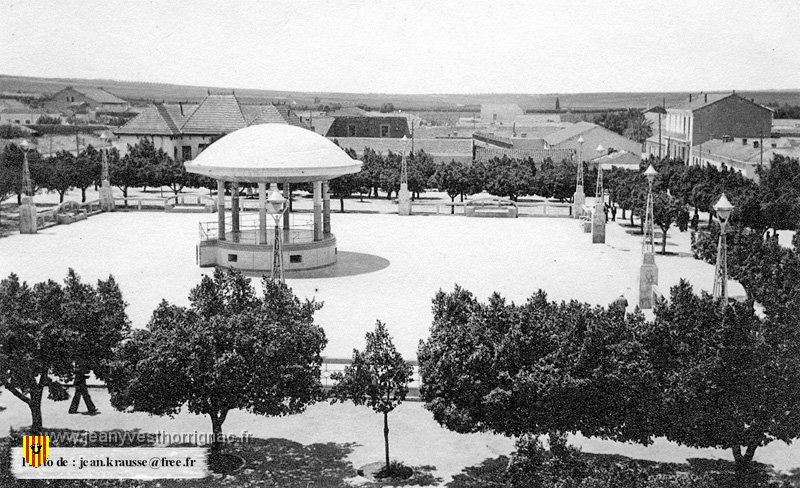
x: 491, y: 207
x: 69, y: 212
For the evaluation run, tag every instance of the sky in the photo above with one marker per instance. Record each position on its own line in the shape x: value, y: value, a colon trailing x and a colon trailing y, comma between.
x: 410, y: 46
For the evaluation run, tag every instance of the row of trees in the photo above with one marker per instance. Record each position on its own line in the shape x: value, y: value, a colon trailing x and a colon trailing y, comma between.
x: 230, y: 349
x: 700, y: 374
x: 142, y: 166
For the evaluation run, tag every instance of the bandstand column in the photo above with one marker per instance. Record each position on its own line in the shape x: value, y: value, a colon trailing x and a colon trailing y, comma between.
x: 262, y: 213
x: 287, y: 194
x: 235, y: 206
x: 221, y: 210
x: 317, y: 210
x: 326, y: 209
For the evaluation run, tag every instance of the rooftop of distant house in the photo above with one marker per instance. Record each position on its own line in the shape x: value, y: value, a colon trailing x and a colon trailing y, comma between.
x: 97, y: 94
x: 216, y: 114
x: 700, y: 100
x: 750, y: 149
x: 8, y: 105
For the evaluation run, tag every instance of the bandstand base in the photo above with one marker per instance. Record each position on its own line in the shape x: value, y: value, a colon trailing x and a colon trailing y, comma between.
x: 258, y: 258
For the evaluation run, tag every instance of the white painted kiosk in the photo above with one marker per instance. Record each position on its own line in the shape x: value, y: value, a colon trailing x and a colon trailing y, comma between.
x: 270, y: 154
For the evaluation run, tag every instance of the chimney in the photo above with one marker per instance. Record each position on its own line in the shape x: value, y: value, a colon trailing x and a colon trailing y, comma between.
x: 690, y: 98
x: 705, y: 100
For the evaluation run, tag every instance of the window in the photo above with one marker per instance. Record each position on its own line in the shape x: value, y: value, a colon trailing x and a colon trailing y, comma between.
x: 27, y: 121
x: 351, y: 130
x: 200, y: 147
x: 186, y: 152
x: 175, y: 152
x: 384, y: 130
x: 232, y: 258
x: 295, y: 258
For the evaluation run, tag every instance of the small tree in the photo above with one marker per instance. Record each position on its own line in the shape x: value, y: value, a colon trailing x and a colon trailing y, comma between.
x: 378, y: 377
x: 666, y: 211
x: 229, y: 350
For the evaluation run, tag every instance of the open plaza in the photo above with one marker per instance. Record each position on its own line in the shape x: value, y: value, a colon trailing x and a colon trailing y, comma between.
x: 389, y: 268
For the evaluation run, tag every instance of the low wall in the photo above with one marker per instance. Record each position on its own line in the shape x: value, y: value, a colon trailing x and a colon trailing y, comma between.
x: 258, y: 258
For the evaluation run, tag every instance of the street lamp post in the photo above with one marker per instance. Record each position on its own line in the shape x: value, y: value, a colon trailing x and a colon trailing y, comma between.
x: 276, y: 206
x: 27, y: 210
x: 723, y: 208
x: 404, y: 196
x: 648, y: 272
x: 579, y: 197
x: 599, y: 213
x: 27, y: 186
x: 106, y: 195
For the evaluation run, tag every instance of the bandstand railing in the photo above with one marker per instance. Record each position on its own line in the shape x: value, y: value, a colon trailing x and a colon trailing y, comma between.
x: 301, y: 229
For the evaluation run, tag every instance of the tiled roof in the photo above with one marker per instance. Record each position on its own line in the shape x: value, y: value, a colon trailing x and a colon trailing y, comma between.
x: 439, y: 149
x: 153, y: 120
x: 262, y: 114
x: 98, y: 95
x: 216, y: 114
x: 570, y: 132
x: 738, y: 151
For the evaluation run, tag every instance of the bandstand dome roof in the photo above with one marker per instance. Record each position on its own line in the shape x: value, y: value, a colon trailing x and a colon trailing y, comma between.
x: 273, y: 153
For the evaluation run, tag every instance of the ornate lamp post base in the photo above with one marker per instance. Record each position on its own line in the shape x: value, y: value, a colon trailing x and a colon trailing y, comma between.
x: 599, y: 224
x: 578, y: 201
x: 106, y: 197
x: 27, y: 216
x: 648, y: 277
x: 404, y: 200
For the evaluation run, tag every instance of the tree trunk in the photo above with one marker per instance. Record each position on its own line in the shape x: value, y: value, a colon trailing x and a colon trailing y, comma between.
x: 452, y: 207
x: 743, y: 460
x: 623, y: 213
x: 35, y: 405
x: 217, y: 419
x: 386, y: 436
x: 632, y: 224
x: 341, y: 204
x: 664, y: 240
x: 61, y: 196
x: 83, y: 195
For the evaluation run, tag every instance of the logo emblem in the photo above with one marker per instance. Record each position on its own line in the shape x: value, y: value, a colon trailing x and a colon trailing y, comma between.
x: 35, y: 449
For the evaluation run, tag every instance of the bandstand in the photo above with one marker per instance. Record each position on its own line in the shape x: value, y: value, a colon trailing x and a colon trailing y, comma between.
x: 270, y: 154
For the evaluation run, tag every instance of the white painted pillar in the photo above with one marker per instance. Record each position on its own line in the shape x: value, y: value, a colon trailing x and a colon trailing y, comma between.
x: 317, y: 210
x: 287, y: 194
x: 326, y: 209
x: 235, y: 207
x: 221, y: 210
x: 262, y: 213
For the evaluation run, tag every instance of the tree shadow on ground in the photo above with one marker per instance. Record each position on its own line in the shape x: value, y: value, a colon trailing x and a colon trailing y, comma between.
x: 623, y: 472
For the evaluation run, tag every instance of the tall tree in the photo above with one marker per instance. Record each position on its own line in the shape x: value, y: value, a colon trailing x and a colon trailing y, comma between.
x: 229, y: 350
x: 87, y: 170
x: 41, y: 329
x: 536, y: 368
x: 60, y: 173
x: 377, y: 377
x: 728, y: 378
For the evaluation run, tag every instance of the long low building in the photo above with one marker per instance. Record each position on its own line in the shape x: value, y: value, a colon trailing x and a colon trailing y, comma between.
x: 442, y: 150
x: 743, y: 154
x: 184, y: 130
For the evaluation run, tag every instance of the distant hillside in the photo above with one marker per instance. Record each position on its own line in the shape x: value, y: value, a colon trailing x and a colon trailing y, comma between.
x: 141, y: 93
